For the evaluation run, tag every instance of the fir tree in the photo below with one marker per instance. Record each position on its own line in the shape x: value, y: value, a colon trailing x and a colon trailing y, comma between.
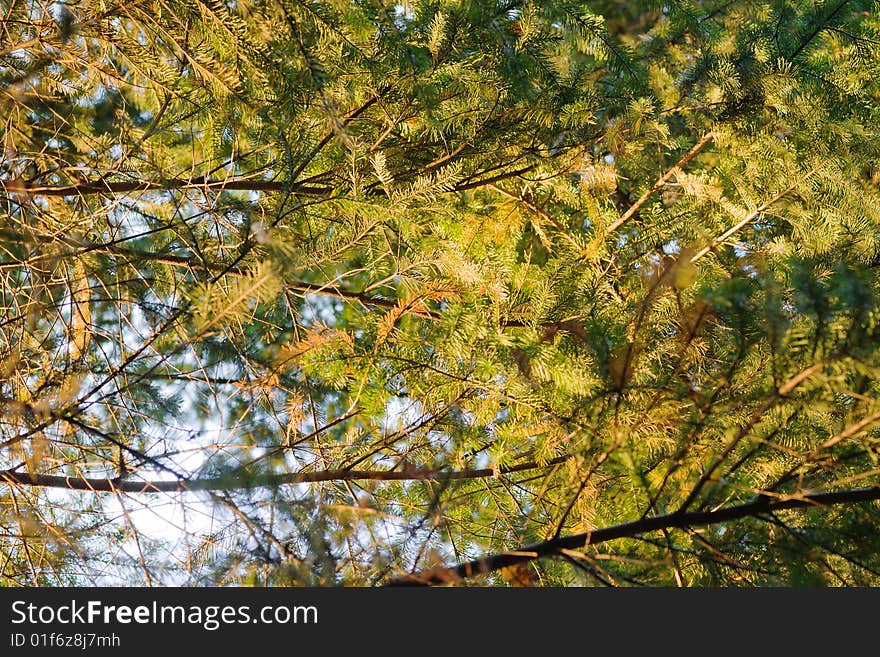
x: 514, y: 293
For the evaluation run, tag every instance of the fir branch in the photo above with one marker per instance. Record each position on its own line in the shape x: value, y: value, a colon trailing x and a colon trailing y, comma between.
x: 661, y: 181
x: 745, y: 221
x: 22, y: 188
x: 819, y: 27
x: 755, y: 509
x: 238, y: 482
x: 781, y: 392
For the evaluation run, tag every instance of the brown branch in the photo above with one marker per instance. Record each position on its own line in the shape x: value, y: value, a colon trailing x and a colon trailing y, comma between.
x: 762, y: 505
x: 493, y: 179
x: 302, y: 287
x: 236, y: 481
x: 751, y: 216
x: 114, y: 250
x: 21, y: 187
x: 661, y: 181
x: 819, y: 27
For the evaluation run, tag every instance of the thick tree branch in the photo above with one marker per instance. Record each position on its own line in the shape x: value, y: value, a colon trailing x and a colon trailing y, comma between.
x: 762, y: 505
x: 238, y: 481
x: 21, y: 187
x: 24, y: 188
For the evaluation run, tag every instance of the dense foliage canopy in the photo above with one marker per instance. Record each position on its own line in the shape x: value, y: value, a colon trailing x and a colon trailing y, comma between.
x: 348, y: 293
